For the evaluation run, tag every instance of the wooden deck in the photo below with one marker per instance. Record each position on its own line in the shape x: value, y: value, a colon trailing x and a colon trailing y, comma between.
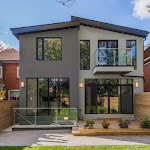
x: 113, y: 129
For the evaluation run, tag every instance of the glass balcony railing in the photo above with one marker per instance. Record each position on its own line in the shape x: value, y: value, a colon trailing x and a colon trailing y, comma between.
x: 113, y: 57
x: 45, y: 116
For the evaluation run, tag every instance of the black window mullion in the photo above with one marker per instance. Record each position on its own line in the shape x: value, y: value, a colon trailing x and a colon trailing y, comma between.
x: 37, y: 96
x: 42, y: 48
x: 48, y: 96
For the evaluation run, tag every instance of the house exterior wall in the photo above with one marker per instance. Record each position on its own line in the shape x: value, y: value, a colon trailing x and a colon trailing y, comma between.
x: 10, y: 76
x: 93, y: 34
x: 67, y: 67
x: 147, y: 77
x: 1, y: 78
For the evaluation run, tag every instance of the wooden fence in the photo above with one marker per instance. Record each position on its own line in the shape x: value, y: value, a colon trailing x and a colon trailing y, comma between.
x: 6, y: 113
x: 142, y: 104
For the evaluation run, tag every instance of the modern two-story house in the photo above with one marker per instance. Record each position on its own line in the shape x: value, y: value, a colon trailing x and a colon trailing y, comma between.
x: 93, y: 66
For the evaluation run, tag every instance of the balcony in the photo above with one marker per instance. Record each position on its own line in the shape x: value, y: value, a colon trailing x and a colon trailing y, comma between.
x: 113, y: 60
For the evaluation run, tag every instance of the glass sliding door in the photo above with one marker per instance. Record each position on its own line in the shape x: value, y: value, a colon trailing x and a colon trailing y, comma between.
x: 31, y: 95
x: 43, y: 96
x: 109, y: 96
x: 47, y: 93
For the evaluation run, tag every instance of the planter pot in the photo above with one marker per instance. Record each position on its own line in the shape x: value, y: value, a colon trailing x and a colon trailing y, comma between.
x: 123, y: 126
x: 142, y: 126
x: 105, y: 127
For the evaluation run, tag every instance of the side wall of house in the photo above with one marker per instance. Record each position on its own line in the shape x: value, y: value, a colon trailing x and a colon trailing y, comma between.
x: 67, y: 67
x: 10, y: 76
x: 93, y: 34
x: 147, y: 77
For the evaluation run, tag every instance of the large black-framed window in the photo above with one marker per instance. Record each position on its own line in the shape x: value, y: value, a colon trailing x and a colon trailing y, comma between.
x: 106, y: 52
x: 84, y: 54
x: 132, y: 44
x: 47, y: 93
x: 108, y: 96
x: 49, y: 48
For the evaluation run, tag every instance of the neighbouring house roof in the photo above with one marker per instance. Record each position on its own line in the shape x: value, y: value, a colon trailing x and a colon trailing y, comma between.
x: 9, y: 54
x: 76, y: 22
x: 146, y: 47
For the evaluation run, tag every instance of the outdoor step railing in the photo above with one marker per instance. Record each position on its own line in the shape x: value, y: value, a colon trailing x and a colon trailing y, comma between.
x: 113, y: 57
x: 45, y: 116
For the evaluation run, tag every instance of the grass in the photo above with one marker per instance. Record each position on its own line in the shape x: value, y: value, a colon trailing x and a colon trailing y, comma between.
x: 115, y: 147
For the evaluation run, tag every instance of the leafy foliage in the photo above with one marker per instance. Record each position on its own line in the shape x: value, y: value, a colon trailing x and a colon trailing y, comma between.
x: 89, y: 123
x: 145, y: 122
x: 124, y: 122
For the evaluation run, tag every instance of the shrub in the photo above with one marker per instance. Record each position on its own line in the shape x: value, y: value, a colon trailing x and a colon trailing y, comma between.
x: 145, y: 122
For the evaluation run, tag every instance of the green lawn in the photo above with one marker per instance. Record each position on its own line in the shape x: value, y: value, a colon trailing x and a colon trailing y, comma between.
x: 124, y: 147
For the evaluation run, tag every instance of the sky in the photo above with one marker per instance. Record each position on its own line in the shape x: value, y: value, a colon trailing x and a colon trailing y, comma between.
x: 20, y: 13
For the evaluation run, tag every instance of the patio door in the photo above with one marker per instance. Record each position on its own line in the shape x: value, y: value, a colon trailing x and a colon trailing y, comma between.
x: 108, y: 97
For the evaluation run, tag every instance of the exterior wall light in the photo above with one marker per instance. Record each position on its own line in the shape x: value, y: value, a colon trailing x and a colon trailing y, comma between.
x: 81, y: 84
x: 136, y: 84
x: 50, y: 90
x: 65, y: 118
x: 22, y: 84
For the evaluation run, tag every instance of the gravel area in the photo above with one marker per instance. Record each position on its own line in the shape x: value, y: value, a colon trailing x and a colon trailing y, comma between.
x: 48, y: 138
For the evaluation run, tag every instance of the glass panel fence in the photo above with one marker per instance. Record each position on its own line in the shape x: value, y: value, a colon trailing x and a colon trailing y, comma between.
x: 113, y: 56
x: 55, y: 116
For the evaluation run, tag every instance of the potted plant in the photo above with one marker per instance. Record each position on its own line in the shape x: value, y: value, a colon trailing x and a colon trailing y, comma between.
x: 114, y: 111
x: 102, y: 111
x: 124, y: 123
x: 88, y: 124
x: 145, y: 122
x: 105, y: 123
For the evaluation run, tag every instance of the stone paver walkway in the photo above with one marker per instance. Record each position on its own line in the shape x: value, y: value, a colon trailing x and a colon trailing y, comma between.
x: 47, y: 138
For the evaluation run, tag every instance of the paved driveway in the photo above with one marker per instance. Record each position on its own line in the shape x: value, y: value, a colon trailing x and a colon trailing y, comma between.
x: 46, y: 137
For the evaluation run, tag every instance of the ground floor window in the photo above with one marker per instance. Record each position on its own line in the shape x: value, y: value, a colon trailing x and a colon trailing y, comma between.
x: 47, y: 93
x: 108, y: 96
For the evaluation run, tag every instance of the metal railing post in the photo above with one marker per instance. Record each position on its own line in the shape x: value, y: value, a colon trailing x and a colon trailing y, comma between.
x: 56, y: 116
x: 76, y: 116
x: 14, y: 117
x: 114, y: 57
x: 131, y: 57
x: 35, y: 117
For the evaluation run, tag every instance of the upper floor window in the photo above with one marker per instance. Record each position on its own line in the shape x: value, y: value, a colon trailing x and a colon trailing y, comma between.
x: 18, y: 72
x: 1, y: 72
x: 106, y: 51
x: 84, y: 55
x: 49, y: 49
x: 132, y: 44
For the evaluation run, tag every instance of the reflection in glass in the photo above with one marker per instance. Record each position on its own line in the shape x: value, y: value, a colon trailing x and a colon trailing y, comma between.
x: 31, y: 95
x: 39, y: 49
x: 84, y: 55
x: 52, y: 49
x: 132, y: 44
x: 108, y: 96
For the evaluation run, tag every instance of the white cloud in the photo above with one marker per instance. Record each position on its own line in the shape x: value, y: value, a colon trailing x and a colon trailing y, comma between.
x: 140, y: 10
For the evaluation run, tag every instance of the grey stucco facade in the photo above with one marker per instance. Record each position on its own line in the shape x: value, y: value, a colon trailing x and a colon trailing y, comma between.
x: 69, y: 66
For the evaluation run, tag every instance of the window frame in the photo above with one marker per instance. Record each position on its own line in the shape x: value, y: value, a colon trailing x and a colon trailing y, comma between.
x: 89, y: 55
x: 135, y: 52
x: 37, y: 81
x: 1, y: 75
x: 119, y: 85
x: 42, y: 38
x: 18, y: 71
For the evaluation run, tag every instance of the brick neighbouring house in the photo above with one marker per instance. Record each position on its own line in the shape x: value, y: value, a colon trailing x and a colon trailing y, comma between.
x: 147, y: 68
x: 9, y: 69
